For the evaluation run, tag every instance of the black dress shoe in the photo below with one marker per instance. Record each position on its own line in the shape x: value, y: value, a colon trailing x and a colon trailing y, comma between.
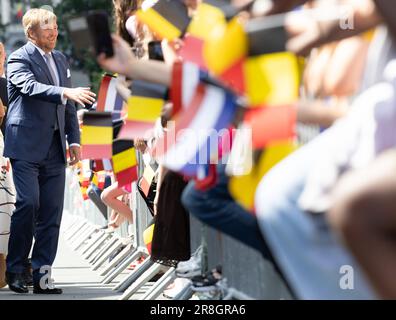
x: 28, y: 279
x: 16, y: 282
x: 38, y: 290
x: 27, y: 274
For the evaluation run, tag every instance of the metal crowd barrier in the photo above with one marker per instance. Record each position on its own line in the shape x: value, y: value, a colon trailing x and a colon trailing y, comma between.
x: 248, y: 274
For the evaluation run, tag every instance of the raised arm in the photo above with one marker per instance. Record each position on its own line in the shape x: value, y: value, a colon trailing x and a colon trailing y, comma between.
x: 308, y: 31
x: 125, y: 63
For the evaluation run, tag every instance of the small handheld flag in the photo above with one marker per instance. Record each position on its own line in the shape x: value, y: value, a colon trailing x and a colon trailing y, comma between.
x: 124, y: 162
x: 167, y: 18
x: 97, y: 135
x: 144, y: 107
x: 109, y: 100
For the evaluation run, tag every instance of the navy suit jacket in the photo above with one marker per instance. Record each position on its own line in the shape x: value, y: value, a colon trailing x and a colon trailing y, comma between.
x: 33, y: 103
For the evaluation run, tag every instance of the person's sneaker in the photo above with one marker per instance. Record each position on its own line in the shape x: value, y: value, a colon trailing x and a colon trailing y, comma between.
x: 110, y: 229
x: 207, y: 295
x: 192, y: 267
x: 208, y: 281
x: 176, y: 287
x: 194, y: 297
x: 204, y: 283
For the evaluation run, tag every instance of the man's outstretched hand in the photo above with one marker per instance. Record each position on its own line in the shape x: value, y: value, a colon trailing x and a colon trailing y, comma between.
x: 80, y: 95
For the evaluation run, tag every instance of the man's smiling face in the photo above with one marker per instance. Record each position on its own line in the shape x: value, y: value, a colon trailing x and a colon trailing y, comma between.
x: 45, y: 36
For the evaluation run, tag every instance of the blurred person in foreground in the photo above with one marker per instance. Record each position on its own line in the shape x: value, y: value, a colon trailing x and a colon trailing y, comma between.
x: 296, y: 229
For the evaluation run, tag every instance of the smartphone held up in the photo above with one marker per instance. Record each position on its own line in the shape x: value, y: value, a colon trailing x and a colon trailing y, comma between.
x: 91, y: 33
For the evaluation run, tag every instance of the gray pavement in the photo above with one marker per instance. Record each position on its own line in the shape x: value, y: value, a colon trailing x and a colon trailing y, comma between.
x: 74, y: 275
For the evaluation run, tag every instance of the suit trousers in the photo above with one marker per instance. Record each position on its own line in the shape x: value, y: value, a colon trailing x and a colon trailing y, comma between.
x: 39, y: 205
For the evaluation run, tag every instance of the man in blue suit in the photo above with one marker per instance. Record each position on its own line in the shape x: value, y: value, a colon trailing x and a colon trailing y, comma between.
x: 41, y: 117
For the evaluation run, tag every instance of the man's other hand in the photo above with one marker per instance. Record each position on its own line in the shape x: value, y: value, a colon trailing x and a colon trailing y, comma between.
x: 75, y: 155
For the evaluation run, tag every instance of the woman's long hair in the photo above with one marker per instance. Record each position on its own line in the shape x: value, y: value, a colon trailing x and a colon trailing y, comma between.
x: 122, y: 11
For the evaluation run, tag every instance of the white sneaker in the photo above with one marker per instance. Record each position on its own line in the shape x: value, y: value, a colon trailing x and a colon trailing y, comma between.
x: 192, y: 267
x: 178, y: 285
x: 194, y: 297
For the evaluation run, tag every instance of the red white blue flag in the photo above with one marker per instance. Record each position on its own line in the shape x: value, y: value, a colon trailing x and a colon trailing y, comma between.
x: 192, y: 140
x: 109, y: 100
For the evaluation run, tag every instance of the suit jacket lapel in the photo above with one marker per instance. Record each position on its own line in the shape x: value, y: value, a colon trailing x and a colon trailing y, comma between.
x: 39, y: 60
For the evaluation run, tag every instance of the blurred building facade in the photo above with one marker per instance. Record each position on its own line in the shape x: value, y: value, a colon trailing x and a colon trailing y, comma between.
x: 11, y: 20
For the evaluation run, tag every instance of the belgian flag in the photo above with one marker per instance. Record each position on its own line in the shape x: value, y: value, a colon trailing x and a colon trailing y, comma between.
x: 168, y: 19
x: 125, y: 164
x: 148, y: 234
x: 243, y: 187
x: 272, y: 75
x: 227, y: 48
x: 144, y: 107
x: 208, y: 18
x: 97, y: 135
x: 251, y: 58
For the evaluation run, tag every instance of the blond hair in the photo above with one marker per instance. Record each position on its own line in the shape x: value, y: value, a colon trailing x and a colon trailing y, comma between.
x: 37, y: 17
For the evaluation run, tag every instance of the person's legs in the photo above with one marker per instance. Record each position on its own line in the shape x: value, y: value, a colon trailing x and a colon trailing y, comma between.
x: 365, y: 217
x: 219, y: 210
x: 49, y: 215
x: 94, y: 194
x: 302, y: 244
x: 26, y: 182
x: 216, y: 208
x: 113, y: 216
x: 116, y: 219
x: 25, y: 177
x: 109, y: 197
